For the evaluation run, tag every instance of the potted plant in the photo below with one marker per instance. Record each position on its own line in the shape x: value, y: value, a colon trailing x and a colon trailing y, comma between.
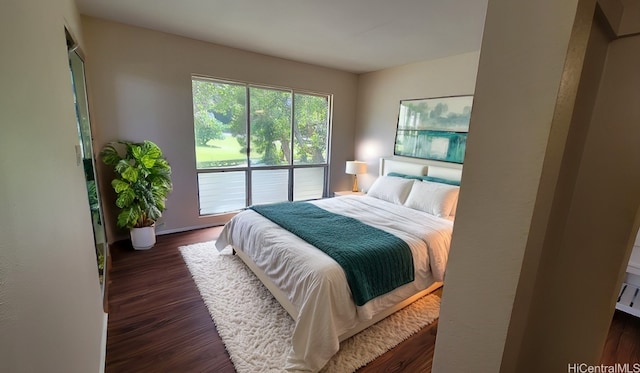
x: 142, y: 182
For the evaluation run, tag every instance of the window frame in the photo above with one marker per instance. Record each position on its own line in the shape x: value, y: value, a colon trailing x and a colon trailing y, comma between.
x: 249, y: 167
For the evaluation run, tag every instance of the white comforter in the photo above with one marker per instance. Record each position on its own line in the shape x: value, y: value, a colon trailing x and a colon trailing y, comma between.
x: 317, y: 285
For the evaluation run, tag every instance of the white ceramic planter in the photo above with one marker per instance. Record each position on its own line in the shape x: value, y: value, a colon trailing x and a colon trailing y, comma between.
x: 143, y: 238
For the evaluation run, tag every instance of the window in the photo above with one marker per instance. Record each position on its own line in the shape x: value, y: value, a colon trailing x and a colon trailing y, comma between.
x: 258, y: 144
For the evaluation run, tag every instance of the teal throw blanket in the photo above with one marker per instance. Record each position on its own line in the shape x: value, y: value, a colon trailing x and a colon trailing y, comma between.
x: 374, y: 261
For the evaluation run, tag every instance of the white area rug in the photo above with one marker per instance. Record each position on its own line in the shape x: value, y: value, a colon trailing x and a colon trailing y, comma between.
x: 257, y: 331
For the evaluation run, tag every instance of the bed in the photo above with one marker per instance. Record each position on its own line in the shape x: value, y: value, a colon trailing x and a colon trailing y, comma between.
x: 413, y: 202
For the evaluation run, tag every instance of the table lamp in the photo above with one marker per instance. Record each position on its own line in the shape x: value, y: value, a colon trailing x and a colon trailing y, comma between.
x: 355, y: 168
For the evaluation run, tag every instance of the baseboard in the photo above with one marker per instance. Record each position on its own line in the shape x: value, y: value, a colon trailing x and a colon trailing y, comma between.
x: 122, y: 237
x: 103, y: 344
x: 186, y: 229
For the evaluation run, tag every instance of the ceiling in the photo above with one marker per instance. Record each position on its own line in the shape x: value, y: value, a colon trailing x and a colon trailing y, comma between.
x: 352, y: 35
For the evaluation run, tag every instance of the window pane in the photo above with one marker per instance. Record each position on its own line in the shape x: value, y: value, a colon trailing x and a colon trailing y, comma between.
x: 268, y: 186
x: 221, y: 192
x: 219, y: 119
x: 270, y: 123
x: 310, y: 129
x: 308, y: 183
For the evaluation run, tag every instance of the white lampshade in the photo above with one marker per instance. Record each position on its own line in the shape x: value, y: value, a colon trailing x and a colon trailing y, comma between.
x: 356, y: 168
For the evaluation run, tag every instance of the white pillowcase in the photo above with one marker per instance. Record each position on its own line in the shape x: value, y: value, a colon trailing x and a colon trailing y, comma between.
x: 434, y: 198
x: 391, y: 189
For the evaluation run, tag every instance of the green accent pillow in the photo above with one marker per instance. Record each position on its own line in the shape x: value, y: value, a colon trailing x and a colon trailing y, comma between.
x: 440, y: 180
x: 425, y: 178
x: 405, y: 176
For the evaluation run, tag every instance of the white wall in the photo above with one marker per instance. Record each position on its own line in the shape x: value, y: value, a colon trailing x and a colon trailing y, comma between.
x: 380, y: 92
x: 51, y: 315
x: 139, y: 84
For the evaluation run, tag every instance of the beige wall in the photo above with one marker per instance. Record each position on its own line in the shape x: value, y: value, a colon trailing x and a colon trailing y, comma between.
x: 545, y: 225
x: 546, y: 248
x: 630, y: 22
x: 584, y: 257
x: 623, y: 16
x: 51, y: 315
x: 522, y: 97
x: 380, y: 92
x: 139, y: 84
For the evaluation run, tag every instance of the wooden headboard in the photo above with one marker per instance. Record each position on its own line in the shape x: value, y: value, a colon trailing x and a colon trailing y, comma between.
x: 388, y: 165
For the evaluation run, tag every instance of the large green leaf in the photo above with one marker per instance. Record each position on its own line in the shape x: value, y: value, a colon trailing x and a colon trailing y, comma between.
x: 110, y: 155
x: 154, y: 213
x: 160, y: 181
x: 148, y: 161
x: 151, y: 150
x: 128, y: 217
x: 162, y: 167
x: 160, y: 205
x: 125, y: 198
x: 121, y: 166
x: 119, y: 185
x: 136, y: 151
x: 130, y: 174
x: 148, y: 198
x: 144, y: 173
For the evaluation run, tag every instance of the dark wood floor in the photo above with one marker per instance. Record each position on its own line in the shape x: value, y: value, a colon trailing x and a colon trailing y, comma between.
x: 623, y: 342
x: 157, y: 320
x: 159, y: 323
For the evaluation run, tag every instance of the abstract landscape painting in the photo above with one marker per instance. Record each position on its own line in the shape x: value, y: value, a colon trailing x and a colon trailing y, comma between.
x: 434, y: 128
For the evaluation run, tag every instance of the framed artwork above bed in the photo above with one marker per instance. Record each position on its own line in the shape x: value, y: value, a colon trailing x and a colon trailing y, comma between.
x: 434, y: 128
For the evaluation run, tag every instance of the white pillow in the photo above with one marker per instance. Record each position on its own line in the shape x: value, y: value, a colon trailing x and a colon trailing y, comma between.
x: 391, y: 189
x: 434, y: 198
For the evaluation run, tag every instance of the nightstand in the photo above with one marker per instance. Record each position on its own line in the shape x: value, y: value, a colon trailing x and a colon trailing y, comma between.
x: 347, y: 193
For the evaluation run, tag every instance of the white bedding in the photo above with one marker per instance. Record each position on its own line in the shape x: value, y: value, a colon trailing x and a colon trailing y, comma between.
x: 316, y: 284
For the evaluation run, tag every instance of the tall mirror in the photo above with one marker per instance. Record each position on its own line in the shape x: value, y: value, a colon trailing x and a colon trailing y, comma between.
x: 86, y: 154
